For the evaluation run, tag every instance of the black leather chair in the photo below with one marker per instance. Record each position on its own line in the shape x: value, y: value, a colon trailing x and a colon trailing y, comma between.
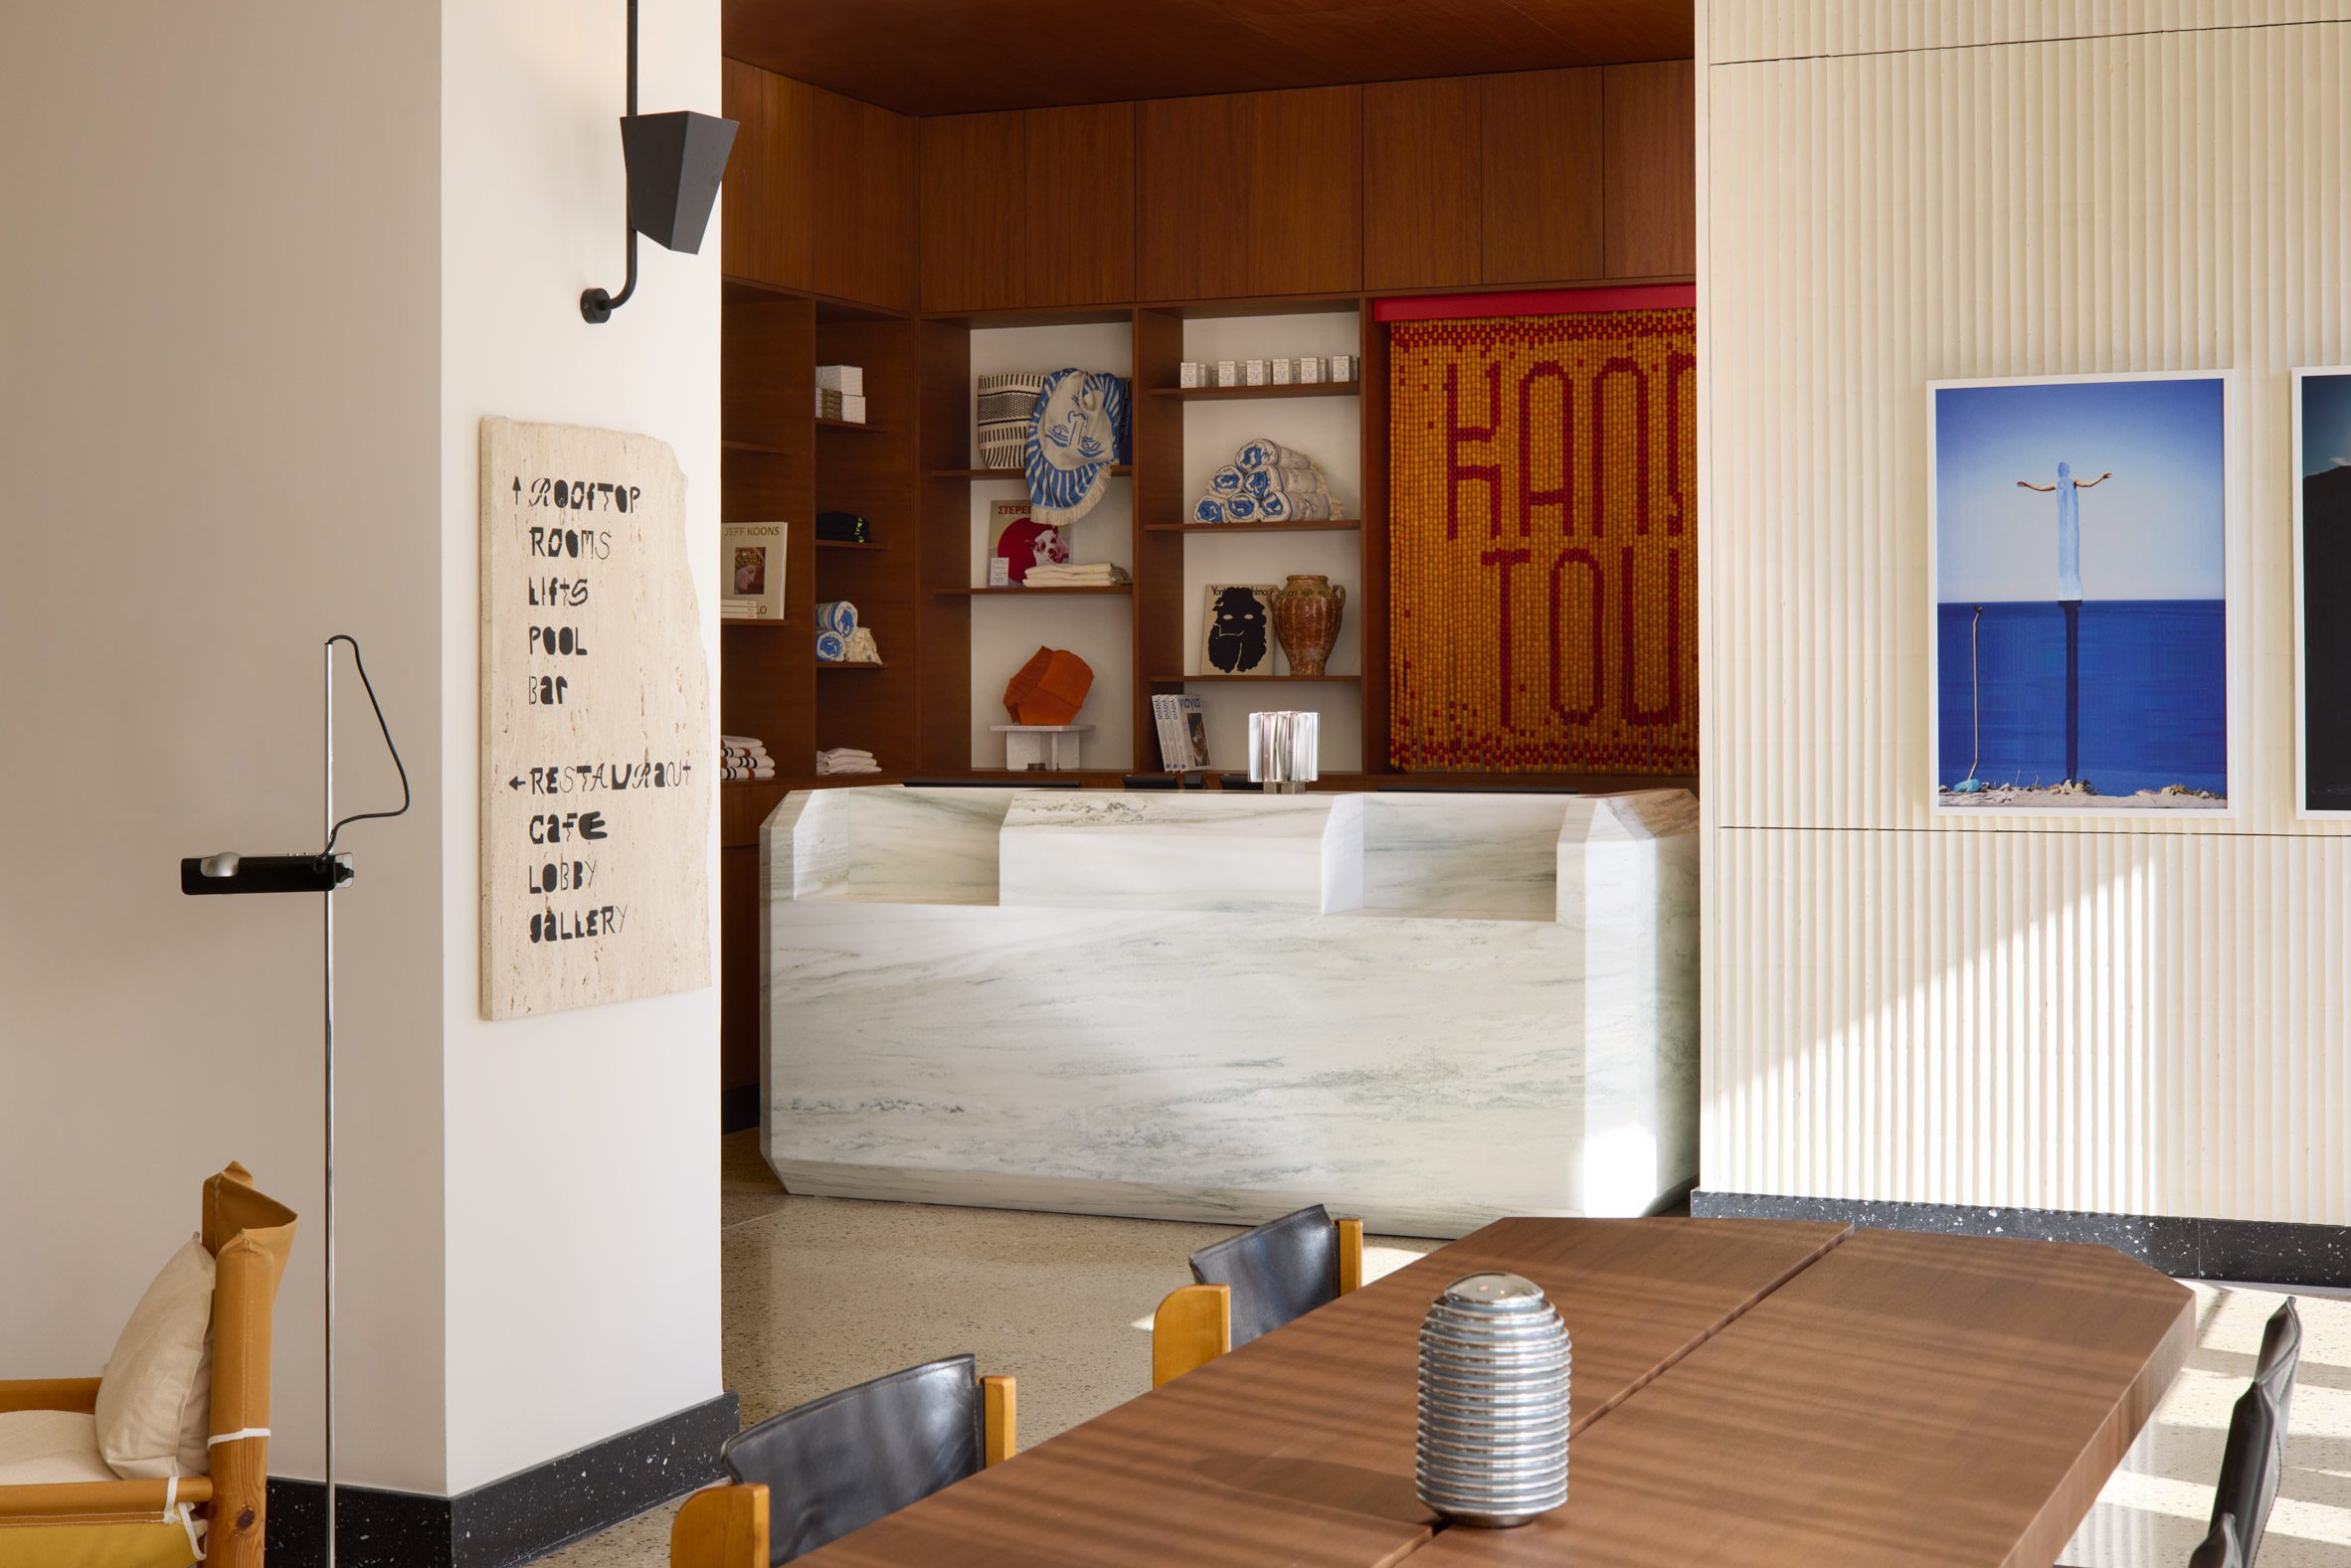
x: 2254, y: 1459
x: 2220, y: 1549
x: 1252, y: 1284
x: 840, y: 1462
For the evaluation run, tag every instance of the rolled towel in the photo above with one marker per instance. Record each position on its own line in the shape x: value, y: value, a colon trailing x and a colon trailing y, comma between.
x: 1293, y: 506
x: 1262, y: 453
x: 1225, y: 480
x: 1242, y: 509
x: 831, y: 649
x: 1209, y: 509
x: 858, y: 647
x: 837, y: 614
x: 1262, y: 482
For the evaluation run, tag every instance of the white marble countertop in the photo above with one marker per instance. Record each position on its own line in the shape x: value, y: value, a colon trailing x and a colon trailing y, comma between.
x: 1452, y: 855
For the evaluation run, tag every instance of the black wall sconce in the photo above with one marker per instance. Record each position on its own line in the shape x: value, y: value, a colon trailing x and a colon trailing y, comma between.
x: 674, y: 164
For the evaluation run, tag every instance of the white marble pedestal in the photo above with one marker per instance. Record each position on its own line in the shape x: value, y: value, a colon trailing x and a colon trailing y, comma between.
x: 1049, y: 747
x: 1424, y: 1009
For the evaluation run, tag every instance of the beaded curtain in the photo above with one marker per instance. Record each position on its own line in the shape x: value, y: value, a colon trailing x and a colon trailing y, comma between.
x: 1543, y: 538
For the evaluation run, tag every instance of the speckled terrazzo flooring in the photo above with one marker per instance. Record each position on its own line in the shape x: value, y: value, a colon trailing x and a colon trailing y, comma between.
x: 822, y: 1293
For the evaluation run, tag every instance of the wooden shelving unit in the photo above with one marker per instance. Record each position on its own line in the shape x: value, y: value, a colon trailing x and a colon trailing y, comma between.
x: 1038, y: 593
x: 1259, y: 680
x: 1319, y: 525
x: 1319, y: 388
x: 1118, y: 472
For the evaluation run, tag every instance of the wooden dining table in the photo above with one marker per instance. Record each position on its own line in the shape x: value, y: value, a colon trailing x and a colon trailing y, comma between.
x: 1745, y: 1392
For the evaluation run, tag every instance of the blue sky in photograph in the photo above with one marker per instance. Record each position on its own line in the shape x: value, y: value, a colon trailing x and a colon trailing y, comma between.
x: 2326, y: 424
x: 2154, y: 531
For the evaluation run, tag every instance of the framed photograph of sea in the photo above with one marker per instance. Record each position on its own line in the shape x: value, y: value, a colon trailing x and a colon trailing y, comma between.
x: 2322, y: 591
x: 2078, y: 535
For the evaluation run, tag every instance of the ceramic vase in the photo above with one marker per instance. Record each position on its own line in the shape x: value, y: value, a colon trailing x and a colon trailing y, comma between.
x: 1306, y: 614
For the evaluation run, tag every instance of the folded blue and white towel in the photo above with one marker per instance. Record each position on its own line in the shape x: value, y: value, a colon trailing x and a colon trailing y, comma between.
x: 1225, y: 480
x: 1262, y: 482
x: 837, y: 614
x: 1293, y: 506
x: 831, y: 647
x: 1262, y: 453
x: 1209, y: 509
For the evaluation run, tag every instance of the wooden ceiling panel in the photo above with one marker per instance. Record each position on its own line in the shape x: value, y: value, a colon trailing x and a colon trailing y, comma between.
x: 956, y: 57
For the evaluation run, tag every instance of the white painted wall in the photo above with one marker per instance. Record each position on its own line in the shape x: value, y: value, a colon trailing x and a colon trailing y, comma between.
x: 2102, y: 1014
x: 270, y: 267
x: 582, y: 1147
x: 218, y: 301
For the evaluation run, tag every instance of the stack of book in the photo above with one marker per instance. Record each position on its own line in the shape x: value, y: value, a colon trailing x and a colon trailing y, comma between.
x: 1183, y: 733
x: 841, y: 392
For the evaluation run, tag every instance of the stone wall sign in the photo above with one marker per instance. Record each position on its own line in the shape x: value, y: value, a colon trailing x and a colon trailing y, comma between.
x: 596, y: 738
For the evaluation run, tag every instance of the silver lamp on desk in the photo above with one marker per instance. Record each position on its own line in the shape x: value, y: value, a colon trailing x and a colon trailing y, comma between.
x: 1283, y: 750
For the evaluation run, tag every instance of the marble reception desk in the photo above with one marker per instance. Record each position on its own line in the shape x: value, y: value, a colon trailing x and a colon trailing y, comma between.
x: 1426, y: 1009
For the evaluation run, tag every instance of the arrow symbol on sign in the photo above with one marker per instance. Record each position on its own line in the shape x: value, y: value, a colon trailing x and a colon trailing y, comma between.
x: 514, y: 784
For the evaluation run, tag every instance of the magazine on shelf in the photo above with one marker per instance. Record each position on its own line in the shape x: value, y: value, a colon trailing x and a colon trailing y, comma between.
x: 1195, y: 730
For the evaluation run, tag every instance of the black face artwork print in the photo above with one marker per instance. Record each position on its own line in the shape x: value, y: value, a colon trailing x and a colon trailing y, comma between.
x: 1236, y: 632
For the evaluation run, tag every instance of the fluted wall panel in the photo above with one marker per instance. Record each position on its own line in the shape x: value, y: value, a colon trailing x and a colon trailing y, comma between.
x: 2144, y: 1015
x: 1787, y: 28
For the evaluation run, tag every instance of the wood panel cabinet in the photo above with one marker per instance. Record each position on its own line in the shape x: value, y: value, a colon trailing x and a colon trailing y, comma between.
x: 1255, y: 193
x: 863, y: 208
x: 1192, y: 197
x: 1304, y: 231
x: 1652, y: 162
x: 766, y: 192
x: 1543, y: 199
x: 1080, y: 205
x: 1424, y: 184
x: 974, y: 213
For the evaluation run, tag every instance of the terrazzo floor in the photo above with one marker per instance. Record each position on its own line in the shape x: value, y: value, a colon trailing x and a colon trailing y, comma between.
x: 822, y: 1293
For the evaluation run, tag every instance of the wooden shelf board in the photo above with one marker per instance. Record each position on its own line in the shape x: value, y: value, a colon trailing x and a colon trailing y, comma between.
x: 849, y: 544
x: 1123, y: 589
x: 1318, y: 681
x: 763, y: 448
x: 826, y: 666
x: 826, y: 421
x: 771, y: 624
x: 1317, y: 388
x: 737, y: 289
x: 1303, y: 525
x: 1117, y: 470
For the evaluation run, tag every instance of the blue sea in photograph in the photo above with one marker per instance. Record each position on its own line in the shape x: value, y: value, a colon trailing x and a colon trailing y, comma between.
x: 2154, y: 705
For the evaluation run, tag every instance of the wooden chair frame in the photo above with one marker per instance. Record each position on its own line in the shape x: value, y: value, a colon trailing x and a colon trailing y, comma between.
x: 1194, y: 1323
x: 726, y: 1527
x: 249, y: 1237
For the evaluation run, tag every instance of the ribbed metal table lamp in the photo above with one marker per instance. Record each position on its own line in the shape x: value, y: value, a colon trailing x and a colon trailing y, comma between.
x: 1283, y: 747
x: 1495, y: 1364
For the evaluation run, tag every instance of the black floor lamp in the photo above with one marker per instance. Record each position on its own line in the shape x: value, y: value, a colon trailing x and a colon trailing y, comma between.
x: 322, y: 873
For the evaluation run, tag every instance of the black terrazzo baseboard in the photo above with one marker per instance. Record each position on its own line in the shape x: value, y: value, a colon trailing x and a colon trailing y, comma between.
x: 510, y: 1520
x: 2259, y: 1251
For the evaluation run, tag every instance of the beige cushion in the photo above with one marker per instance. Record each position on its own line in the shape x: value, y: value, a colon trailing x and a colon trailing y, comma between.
x: 39, y: 1448
x: 156, y: 1392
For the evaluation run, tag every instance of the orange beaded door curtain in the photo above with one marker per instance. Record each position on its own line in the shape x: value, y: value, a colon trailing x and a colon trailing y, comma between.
x: 1543, y: 533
